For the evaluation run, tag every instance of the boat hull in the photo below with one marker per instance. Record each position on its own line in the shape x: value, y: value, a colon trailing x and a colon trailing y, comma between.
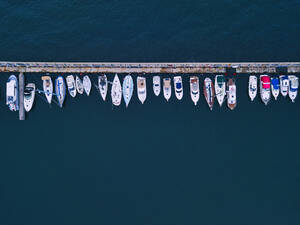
x: 127, y: 89
x: 167, y: 90
x: 141, y: 89
x: 60, y: 90
x: 87, y: 85
x: 178, y: 87
x: 156, y: 85
x: 194, y: 89
x: 252, y: 87
x: 79, y: 85
x: 29, y: 96
x: 209, y: 92
x: 116, y: 91
x: 48, y: 88
x: 220, y: 89
x: 102, y: 85
x: 71, y: 85
x: 12, y: 93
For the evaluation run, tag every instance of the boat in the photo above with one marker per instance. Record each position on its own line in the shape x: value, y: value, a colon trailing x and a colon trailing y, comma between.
x: 60, y: 90
x: 209, y: 92
x: 127, y: 89
x: 252, y: 87
x: 265, y: 92
x: 71, y: 85
x: 29, y: 94
x: 231, y: 94
x: 284, y: 85
x: 275, y: 87
x: 167, y: 90
x: 12, y: 94
x: 293, y: 87
x: 116, y: 91
x: 194, y: 89
x: 48, y: 88
x: 156, y: 85
x: 102, y: 85
x: 178, y: 87
x: 141, y: 89
x: 220, y: 88
x: 87, y: 85
x: 79, y: 85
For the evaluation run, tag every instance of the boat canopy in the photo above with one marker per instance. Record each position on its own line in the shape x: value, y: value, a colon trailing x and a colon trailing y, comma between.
x: 220, y: 79
x: 10, y: 87
x: 275, y: 83
x: 265, y: 81
x: 178, y: 85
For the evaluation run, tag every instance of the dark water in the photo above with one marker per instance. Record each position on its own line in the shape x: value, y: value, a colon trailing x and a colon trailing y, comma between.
x: 157, y: 163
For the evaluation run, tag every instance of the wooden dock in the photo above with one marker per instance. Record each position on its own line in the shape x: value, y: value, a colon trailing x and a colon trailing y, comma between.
x: 21, y: 97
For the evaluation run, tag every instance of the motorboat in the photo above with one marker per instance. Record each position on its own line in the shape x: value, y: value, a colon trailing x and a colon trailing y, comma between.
x: 71, y: 85
x: 87, y: 85
x: 178, y: 87
x: 293, y: 87
x: 102, y: 85
x: 220, y: 88
x: 284, y: 85
x: 116, y: 91
x: 194, y: 89
x: 156, y: 85
x: 265, y: 85
x: 60, y: 90
x: 252, y: 87
x: 167, y: 90
x: 209, y: 92
x: 12, y: 93
x: 29, y: 95
x: 79, y: 85
x: 127, y: 89
x: 231, y: 94
x: 48, y: 88
x: 275, y: 87
x: 141, y: 89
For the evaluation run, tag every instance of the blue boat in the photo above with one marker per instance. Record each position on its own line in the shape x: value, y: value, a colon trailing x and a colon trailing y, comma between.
x: 12, y: 93
x: 60, y: 90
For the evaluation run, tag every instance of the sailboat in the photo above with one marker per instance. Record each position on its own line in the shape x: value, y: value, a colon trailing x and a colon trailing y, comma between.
x: 60, y: 90
x: 102, y: 85
x: 209, y: 92
x: 127, y: 89
x: 87, y: 85
x: 48, y: 88
x: 116, y: 91
x: 79, y: 85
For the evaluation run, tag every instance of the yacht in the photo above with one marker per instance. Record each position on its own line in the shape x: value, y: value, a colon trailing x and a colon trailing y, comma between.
x: 275, y: 87
x: 12, y: 94
x: 60, y: 90
x: 48, y: 88
x: 29, y: 94
x: 293, y: 87
x: 220, y: 88
x: 167, y: 90
x: 252, y: 87
x: 102, y: 85
x: 284, y: 85
x: 156, y: 85
x: 141, y: 89
x: 87, y: 84
x: 127, y: 89
x: 116, y: 91
x: 178, y: 87
x: 71, y: 85
x: 231, y: 94
x: 265, y: 92
x: 209, y: 92
x: 79, y: 85
x: 194, y: 89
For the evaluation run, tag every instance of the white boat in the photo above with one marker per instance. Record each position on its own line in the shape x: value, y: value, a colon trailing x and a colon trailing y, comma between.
x: 178, y: 87
x: 284, y: 85
x: 167, y: 90
x: 102, y: 85
x: 116, y: 91
x: 209, y: 92
x: 220, y: 88
x: 252, y: 87
x: 231, y: 94
x: 156, y: 85
x: 275, y: 87
x: 60, y: 90
x: 141, y: 89
x: 265, y: 86
x: 71, y: 85
x: 29, y: 94
x: 127, y: 89
x: 194, y: 89
x: 79, y: 85
x: 293, y: 87
x: 48, y: 88
x: 12, y: 93
x: 87, y: 84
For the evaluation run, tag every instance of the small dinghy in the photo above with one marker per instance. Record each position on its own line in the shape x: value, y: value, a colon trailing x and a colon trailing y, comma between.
x: 220, y: 88
x: 71, y: 85
x: 116, y: 91
x: 209, y: 92
x: 12, y: 93
x: 194, y: 89
x: 167, y: 88
x: 284, y: 85
x: 102, y: 85
x: 178, y: 87
x: 141, y: 89
x: 252, y: 87
x: 60, y: 90
x: 127, y: 89
x: 293, y: 87
x: 231, y: 94
x: 29, y: 94
x: 48, y: 88
x: 275, y: 87
x: 87, y: 84
x: 79, y: 85
x: 156, y: 85
x: 265, y: 92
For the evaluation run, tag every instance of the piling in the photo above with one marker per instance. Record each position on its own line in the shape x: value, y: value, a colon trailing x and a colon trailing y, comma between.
x: 21, y: 97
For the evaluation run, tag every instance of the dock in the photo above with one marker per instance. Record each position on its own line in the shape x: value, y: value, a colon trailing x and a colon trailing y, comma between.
x: 21, y: 96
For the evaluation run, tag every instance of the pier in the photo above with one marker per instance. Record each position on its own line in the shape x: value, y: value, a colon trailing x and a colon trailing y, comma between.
x: 21, y: 97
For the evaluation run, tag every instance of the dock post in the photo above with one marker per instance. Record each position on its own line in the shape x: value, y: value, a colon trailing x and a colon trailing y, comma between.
x: 21, y: 96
